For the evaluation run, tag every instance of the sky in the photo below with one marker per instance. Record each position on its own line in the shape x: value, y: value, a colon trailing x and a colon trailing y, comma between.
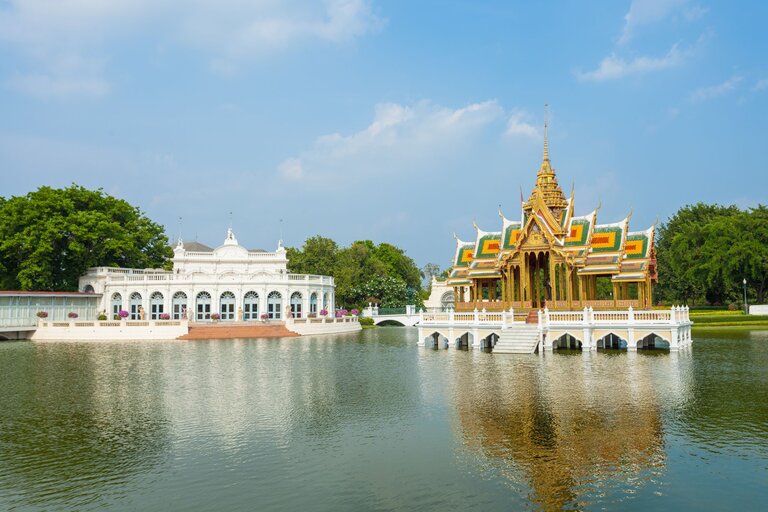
x: 392, y: 121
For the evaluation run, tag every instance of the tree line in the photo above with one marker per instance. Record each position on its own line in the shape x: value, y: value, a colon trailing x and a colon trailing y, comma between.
x: 49, y: 237
x: 705, y: 252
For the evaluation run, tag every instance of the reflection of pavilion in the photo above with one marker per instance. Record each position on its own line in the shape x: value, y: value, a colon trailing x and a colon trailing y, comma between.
x: 573, y: 430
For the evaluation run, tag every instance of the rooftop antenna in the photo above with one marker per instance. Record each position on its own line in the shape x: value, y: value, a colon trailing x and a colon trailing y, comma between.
x: 280, y: 243
x: 179, y: 229
x: 230, y: 220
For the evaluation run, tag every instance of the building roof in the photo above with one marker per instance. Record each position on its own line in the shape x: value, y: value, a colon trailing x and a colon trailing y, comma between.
x: 52, y: 294
x: 197, y: 246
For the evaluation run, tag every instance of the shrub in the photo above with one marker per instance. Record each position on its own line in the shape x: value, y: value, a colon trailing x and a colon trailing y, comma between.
x: 365, y: 321
x: 733, y: 307
x: 116, y: 317
x: 42, y: 314
x: 354, y: 312
x: 323, y: 312
x: 265, y: 316
x: 123, y: 314
x: 165, y: 316
x: 72, y: 314
x: 102, y: 317
x: 215, y: 316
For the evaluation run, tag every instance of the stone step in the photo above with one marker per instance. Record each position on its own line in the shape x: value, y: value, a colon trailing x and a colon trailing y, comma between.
x: 226, y: 332
x: 517, y: 341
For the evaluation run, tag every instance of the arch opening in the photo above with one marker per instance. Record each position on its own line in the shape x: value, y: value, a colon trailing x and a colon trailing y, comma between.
x: 611, y: 341
x: 566, y: 342
x: 652, y: 342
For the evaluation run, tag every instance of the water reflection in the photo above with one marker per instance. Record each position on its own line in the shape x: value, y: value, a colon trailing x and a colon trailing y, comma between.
x: 569, y: 430
x: 77, y: 424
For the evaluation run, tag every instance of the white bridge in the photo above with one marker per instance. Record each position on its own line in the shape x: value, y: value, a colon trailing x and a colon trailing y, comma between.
x: 506, y: 332
x: 407, y: 316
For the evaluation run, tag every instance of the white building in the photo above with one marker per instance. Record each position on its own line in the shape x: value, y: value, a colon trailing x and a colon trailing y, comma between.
x: 230, y: 280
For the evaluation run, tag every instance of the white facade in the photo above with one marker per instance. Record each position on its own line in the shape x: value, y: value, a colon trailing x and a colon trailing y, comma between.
x: 230, y: 280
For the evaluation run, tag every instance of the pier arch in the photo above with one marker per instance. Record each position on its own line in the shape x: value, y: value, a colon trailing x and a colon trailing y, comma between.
x: 436, y: 340
x: 464, y: 340
x: 652, y: 341
x: 566, y: 341
x: 611, y: 340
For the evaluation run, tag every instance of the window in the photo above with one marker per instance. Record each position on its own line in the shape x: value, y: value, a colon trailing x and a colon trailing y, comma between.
x: 117, y: 303
x: 275, y: 306
x: 203, y: 306
x: 313, y: 304
x: 179, y: 305
x: 156, y: 306
x: 227, y: 306
x: 135, y: 306
x: 251, y: 306
x: 296, y: 305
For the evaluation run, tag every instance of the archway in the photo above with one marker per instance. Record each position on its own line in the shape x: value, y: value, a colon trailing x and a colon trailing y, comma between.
x: 227, y: 306
x: 464, y: 341
x: 88, y: 289
x: 251, y: 306
x: 611, y: 341
x: 296, y: 305
x: 135, y: 304
x: 436, y: 341
x: 156, y: 305
x: 448, y: 301
x: 652, y: 342
x: 275, y: 305
x: 566, y: 342
x: 179, y: 305
x: 203, y: 306
x: 489, y: 341
x: 116, y: 304
x: 313, y: 304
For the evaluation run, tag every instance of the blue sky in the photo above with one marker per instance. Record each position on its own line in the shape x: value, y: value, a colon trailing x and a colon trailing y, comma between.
x: 393, y: 121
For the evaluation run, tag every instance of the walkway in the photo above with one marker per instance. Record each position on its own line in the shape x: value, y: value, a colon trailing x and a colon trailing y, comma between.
x: 228, y: 331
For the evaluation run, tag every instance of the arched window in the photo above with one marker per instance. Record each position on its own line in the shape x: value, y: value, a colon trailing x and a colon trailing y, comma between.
x: 251, y: 306
x: 156, y: 306
x: 203, y: 306
x: 275, y: 306
x: 325, y: 301
x: 135, y: 305
x: 179, y: 305
x: 447, y: 301
x: 295, y: 305
x: 117, y: 303
x: 88, y: 289
x: 313, y: 304
x: 227, y: 306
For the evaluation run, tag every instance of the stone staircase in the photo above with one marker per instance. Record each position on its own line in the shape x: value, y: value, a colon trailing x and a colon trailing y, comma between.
x: 228, y: 331
x: 520, y: 339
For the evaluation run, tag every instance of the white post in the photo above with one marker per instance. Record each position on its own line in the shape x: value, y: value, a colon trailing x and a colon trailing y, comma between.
x: 631, y: 314
x: 475, y: 318
x: 672, y: 316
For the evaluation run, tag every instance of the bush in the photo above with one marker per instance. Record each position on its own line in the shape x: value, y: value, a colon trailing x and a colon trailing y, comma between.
x: 103, y: 317
x: 165, y: 316
x: 365, y: 321
x: 215, y: 316
x: 116, y: 317
x: 72, y: 314
x: 42, y: 314
x: 733, y: 307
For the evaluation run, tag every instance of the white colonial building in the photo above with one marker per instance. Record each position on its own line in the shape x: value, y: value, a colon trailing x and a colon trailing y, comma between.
x: 236, y: 283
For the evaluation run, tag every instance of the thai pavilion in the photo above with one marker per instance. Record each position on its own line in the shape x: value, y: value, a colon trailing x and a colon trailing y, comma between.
x: 553, y: 258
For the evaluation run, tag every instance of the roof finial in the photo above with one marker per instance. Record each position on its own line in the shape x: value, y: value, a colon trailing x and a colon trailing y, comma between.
x: 546, y: 139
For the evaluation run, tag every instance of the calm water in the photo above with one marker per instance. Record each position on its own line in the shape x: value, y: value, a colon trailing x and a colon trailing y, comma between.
x: 372, y: 422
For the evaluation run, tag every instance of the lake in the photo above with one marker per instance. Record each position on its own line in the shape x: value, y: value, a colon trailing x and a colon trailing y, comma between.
x: 371, y: 421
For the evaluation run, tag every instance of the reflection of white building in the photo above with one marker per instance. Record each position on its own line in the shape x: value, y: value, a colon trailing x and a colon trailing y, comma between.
x: 229, y: 280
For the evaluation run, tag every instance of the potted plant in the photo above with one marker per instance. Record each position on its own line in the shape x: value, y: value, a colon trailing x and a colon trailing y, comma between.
x: 323, y: 312
x: 123, y: 314
x: 165, y: 316
x: 264, y: 317
x: 354, y: 312
x: 102, y: 317
x: 42, y: 314
x: 72, y: 315
x: 215, y: 317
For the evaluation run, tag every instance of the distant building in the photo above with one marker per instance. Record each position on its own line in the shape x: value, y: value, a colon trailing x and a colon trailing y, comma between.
x: 236, y: 283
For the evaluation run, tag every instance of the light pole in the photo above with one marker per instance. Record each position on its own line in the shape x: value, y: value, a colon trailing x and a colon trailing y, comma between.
x: 746, y: 311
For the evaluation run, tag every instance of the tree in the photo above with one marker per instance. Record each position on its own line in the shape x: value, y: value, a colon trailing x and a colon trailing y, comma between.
x: 49, y: 237
x: 318, y: 255
x: 705, y: 251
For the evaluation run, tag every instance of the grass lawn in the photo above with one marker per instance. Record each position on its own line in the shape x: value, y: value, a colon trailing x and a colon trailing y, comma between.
x: 706, y: 319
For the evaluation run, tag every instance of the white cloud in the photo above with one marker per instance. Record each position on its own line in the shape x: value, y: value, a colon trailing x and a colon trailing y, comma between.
x: 517, y: 125
x: 760, y: 85
x: 228, y: 32
x: 399, y: 138
x: 646, y: 12
x: 292, y: 169
x: 613, y: 67
x: 708, y: 93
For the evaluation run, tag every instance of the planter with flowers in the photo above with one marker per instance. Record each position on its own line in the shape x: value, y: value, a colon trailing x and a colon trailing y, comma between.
x: 215, y: 317
x: 264, y: 317
x: 354, y: 312
x: 165, y: 316
x: 123, y: 314
x: 42, y: 314
x: 72, y: 315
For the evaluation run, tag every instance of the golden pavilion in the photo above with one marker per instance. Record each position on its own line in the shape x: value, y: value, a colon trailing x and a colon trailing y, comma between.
x: 552, y: 258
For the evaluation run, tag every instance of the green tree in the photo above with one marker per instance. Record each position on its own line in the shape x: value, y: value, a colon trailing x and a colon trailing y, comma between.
x: 49, y: 237
x: 705, y: 251
x: 318, y: 255
x: 390, y: 290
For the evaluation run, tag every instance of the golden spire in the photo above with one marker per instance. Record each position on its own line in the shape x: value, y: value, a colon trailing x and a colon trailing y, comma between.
x: 546, y: 181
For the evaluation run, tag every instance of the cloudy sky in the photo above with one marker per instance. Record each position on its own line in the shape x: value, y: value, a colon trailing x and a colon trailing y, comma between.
x: 393, y: 121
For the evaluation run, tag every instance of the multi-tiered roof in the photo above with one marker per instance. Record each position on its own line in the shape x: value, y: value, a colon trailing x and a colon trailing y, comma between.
x: 591, y: 248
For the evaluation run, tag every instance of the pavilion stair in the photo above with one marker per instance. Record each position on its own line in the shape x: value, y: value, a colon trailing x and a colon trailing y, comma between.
x: 520, y: 339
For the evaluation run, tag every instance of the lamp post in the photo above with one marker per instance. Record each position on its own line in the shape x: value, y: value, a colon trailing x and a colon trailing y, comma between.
x: 746, y: 310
